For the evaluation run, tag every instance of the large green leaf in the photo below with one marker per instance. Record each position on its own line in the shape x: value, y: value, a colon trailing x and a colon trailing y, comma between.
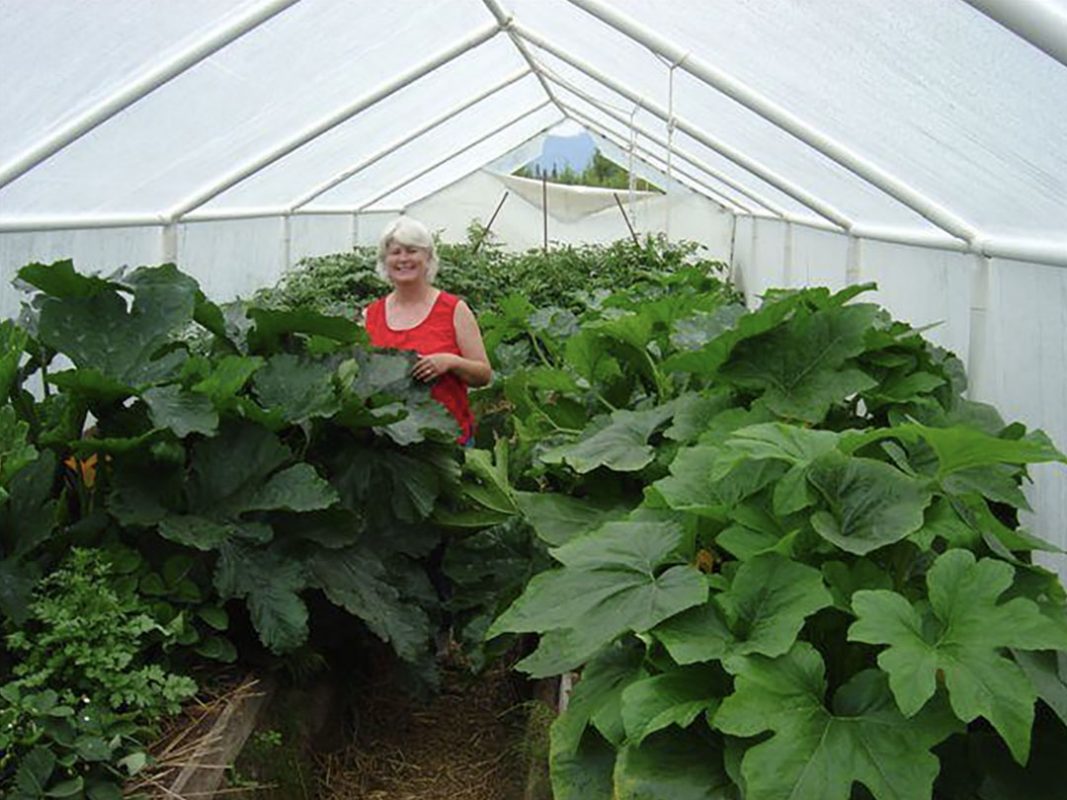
x: 295, y: 488
x: 692, y: 485
x: 181, y: 411
x: 197, y: 532
x: 774, y: 440
x: 383, y: 372
x: 298, y: 387
x: 961, y: 448
x: 707, y: 360
x: 60, y: 279
x: 17, y: 580
x: 619, y: 443
x: 961, y: 636
x: 591, y: 358
x: 585, y: 773
x: 15, y: 448
x: 30, y: 515
x: 558, y: 518
x: 12, y: 342
x: 694, y: 414
x: 800, y: 367
x: 91, y: 385
x: 871, y: 504
x: 762, y: 612
x: 228, y: 376
x: 1047, y: 671
x: 673, y: 765
x: 422, y: 418
x: 701, y: 328
x: 597, y: 699
x: 416, y: 483
x: 676, y: 697
x: 231, y: 467
x: 141, y: 496
x: 611, y: 583
x: 270, y: 582
x: 98, y: 331
x: 358, y: 583
x: 271, y: 325
x: 817, y: 752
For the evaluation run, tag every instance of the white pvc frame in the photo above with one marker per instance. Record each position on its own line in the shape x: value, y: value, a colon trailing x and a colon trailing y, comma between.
x: 802, y: 196
x: 365, y: 204
x: 689, y: 158
x: 649, y: 158
x: 331, y: 121
x: 1037, y: 21
x: 787, y: 121
x: 364, y: 163
x: 1042, y: 24
x: 142, y: 85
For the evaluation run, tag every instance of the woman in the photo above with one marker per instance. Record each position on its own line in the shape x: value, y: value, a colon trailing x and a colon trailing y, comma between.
x: 437, y: 325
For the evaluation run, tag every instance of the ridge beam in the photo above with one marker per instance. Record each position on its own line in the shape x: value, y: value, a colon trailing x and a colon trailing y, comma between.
x: 805, y: 198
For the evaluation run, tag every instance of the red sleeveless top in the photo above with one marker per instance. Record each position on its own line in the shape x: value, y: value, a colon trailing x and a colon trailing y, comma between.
x: 435, y: 334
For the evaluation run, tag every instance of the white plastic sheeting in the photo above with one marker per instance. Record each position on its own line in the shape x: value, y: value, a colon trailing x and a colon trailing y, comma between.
x: 920, y: 144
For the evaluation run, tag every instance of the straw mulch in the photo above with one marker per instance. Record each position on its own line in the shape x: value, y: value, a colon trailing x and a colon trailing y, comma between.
x: 466, y: 744
x: 187, y: 739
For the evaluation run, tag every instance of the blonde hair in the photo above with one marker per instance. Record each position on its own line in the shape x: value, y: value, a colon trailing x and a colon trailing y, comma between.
x: 408, y: 232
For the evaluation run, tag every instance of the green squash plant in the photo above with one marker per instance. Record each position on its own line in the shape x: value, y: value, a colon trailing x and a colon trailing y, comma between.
x: 233, y: 468
x: 788, y: 559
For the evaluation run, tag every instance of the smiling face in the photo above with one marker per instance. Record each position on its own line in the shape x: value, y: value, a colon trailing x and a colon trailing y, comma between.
x: 405, y: 263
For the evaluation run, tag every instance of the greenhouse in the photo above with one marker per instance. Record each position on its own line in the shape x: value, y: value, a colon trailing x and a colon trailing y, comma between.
x: 766, y: 496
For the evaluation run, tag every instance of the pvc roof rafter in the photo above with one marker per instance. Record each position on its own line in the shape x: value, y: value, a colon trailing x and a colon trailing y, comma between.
x: 714, y: 77
x: 362, y: 164
x: 648, y: 157
x: 805, y: 198
x: 441, y: 161
x: 207, y: 193
x: 506, y: 23
x: 1040, y: 23
x: 139, y: 87
x: 691, y: 159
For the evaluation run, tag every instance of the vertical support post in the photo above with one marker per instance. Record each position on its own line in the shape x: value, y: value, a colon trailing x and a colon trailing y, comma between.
x: 544, y: 210
x: 492, y: 219
x: 169, y: 243
x: 733, y: 245
x: 787, y: 256
x: 853, y: 260
x: 287, y: 241
x: 626, y: 219
x: 753, y: 263
x: 982, y: 370
x: 354, y: 230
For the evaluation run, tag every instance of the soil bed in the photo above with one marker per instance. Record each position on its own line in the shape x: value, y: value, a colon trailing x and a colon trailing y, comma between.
x: 468, y: 743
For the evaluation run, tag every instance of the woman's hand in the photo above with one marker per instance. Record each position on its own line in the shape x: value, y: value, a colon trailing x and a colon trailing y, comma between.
x: 431, y: 367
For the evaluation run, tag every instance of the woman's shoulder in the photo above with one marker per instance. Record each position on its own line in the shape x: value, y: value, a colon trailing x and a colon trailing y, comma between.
x: 372, y: 310
x: 448, y: 300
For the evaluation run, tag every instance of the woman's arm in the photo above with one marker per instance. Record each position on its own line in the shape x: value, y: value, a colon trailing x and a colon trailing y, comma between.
x: 472, y: 365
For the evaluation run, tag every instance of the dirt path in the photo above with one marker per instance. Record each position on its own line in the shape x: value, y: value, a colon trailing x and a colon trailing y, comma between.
x: 469, y: 743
